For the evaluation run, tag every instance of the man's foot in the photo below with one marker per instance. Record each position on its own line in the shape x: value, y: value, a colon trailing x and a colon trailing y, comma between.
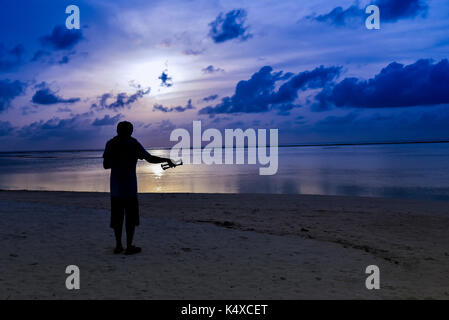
x: 132, y: 250
x: 118, y: 250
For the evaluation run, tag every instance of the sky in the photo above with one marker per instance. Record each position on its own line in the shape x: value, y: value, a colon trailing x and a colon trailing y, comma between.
x: 310, y: 69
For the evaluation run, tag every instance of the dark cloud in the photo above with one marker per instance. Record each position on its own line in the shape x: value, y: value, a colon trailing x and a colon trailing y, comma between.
x: 8, y: 91
x: 39, y: 55
x: 121, y: 100
x: 5, y: 128
x: 166, y: 81
x: 68, y: 132
x: 229, y: 26
x: 418, y: 84
x: 393, y: 10
x: 10, y: 58
x: 64, y: 60
x: 107, y: 120
x: 340, y: 17
x: 211, y: 69
x: 210, y: 98
x: 258, y: 94
x: 396, y: 125
x: 46, y: 96
x: 333, y: 121
x: 220, y: 119
x: 62, y: 38
x: 75, y: 128
x: 390, y: 11
x: 159, y: 107
x: 53, y: 58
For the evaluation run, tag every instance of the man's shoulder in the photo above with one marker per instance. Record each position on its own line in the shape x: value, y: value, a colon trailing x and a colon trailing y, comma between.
x: 135, y: 141
x: 112, y: 140
x: 128, y: 141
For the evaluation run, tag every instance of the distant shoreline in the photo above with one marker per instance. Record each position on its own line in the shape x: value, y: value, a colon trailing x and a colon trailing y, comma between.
x: 246, y: 147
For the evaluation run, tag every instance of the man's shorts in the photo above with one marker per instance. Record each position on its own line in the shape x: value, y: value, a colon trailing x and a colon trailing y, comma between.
x: 124, y: 207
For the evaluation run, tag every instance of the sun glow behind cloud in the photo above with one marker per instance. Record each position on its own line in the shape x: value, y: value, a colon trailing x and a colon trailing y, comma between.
x: 130, y: 43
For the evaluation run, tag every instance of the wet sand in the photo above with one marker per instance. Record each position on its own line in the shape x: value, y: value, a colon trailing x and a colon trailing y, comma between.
x: 225, y: 246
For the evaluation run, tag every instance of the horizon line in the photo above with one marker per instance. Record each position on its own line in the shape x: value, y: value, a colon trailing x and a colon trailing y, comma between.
x: 246, y: 147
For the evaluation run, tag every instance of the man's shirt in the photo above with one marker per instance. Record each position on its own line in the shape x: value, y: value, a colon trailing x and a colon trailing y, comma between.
x: 121, y: 155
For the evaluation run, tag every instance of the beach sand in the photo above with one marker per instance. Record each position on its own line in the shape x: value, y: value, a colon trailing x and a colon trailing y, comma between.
x: 225, y: 246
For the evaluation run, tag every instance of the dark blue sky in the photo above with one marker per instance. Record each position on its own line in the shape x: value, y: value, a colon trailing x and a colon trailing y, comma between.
x: 309, y: 68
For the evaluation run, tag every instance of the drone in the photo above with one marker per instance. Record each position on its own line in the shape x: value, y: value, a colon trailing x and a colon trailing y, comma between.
x: 166, y: 166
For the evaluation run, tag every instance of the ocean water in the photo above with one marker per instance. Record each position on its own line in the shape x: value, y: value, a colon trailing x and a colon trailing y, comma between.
x: 417, y: 171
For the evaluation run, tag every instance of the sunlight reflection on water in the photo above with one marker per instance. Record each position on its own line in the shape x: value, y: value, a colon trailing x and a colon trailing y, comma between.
x: 412, y: 171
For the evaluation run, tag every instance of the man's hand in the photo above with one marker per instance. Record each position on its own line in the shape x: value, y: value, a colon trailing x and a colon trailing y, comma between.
x: 171, y: 163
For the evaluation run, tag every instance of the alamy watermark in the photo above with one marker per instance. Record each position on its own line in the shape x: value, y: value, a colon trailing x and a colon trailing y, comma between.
x: 73, y: 20
x: 373, y: 20
x: 373, y: 280
x: 260, y: 148
x: 72, y: 282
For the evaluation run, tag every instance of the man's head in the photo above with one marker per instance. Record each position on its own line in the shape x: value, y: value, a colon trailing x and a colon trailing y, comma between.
x: 124, y: 129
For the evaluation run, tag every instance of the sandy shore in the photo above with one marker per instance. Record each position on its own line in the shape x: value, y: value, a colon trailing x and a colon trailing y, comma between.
x: 224, y: 246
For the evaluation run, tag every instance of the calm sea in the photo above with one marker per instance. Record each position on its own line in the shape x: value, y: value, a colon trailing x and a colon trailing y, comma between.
x: 418, y: 171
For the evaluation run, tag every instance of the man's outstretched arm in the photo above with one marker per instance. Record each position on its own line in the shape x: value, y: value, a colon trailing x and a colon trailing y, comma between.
x: 154, y: 159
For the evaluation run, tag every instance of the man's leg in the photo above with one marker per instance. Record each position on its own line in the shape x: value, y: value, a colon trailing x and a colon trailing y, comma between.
x: 117, y: 216
x: 132, y: 220
x: 129, y: 234
x: 118, y: 237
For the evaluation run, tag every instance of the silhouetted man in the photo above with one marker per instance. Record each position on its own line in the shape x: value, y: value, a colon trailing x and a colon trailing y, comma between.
x: 121, y: 155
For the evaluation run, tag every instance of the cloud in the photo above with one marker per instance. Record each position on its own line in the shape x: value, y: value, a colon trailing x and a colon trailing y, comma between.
x: 75, y: 128
x: 419, y: 84
x: 107, y: 120
x: 8, y: 91
x: 159, y: 107
x: 5, y: 128
x: 210, y: 98
x: 193, y: 52
x: 396, y: 125
x: 258, y: 94
x: 10, y: 58
x: 56, y: 58
x: 333, y: 121
x: 165, y: 125
x: 39, y: 55
x: 64, y: 60
x: 390, y: 11
x: 166, y: 81
x: 64, y: 109
x: 68, y: 132
x: 46, y: 96
x: 229, y: 26
x: 121, y: 100
x: 211, y: 69
x: 393, y: 10
x: 340, y: 17
x: 62, y: 38
x: 26, y: 110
